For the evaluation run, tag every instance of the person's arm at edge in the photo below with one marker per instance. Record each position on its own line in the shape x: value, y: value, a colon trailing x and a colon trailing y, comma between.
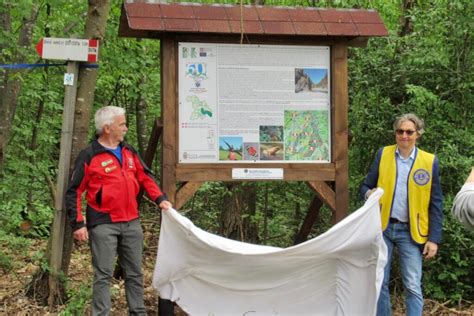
x: 470, y: 178
x: 370, y: 181
x: 435, y: 214
x: 73, y: 199
x: 463, y: 203
x: 149, y: 183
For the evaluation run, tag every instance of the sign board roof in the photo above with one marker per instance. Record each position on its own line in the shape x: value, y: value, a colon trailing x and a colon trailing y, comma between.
x: 141, y: 19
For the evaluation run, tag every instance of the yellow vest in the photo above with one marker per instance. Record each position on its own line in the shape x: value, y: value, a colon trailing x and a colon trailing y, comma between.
x: 419, y: 190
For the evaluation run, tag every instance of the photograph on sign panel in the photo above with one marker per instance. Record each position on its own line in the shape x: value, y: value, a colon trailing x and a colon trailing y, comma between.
x: 230, y: 148
x: 271, y: 133
x: 251, y: 151
x: 306, y: 135
x: 311, y: 80
x: 271, y: 151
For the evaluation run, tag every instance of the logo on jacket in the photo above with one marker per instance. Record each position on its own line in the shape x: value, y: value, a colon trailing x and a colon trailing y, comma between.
x: 109, y: 169
x: 106, y: 163
x: 421, y: 177
x: 130, y: 163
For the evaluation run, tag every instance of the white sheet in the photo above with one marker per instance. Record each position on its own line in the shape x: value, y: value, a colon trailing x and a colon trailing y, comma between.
x: 337, y: 273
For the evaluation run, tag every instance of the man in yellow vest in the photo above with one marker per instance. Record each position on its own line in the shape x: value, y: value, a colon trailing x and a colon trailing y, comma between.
x: 411, y: 208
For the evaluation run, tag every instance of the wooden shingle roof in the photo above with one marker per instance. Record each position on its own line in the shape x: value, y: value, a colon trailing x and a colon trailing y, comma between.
x: 155, y: 19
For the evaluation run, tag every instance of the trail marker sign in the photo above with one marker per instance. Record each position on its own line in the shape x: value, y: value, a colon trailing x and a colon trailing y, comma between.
x: 68, y: 49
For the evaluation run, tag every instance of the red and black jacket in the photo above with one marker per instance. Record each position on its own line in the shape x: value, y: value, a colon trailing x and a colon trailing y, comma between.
x: 111, y: 188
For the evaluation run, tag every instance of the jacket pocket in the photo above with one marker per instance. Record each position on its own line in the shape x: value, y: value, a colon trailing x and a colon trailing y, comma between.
x: 98, y: 197
x: 422, y: 226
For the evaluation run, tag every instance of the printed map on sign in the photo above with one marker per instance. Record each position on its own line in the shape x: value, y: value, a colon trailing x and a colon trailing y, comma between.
x: 306, y: 135
x: 200, y: 108
x: 254, y: 103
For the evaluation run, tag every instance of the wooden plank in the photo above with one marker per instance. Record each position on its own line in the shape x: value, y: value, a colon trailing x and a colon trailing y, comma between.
x: 223, y: 172
x: 248, y: 39
x: 311, y: 217
x: 59, y: 220
x: 340, y: 97
x: 324, y: 193
x: 358, y: 42
x: 185, y: 192
x: 155, y: 135
x: 169, y: 95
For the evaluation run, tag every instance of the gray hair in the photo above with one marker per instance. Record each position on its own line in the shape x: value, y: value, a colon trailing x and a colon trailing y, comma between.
x: 105, y: 116
x: 419, y: 124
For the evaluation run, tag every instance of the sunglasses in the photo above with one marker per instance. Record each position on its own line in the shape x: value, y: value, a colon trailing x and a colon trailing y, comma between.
x: 403, y: 131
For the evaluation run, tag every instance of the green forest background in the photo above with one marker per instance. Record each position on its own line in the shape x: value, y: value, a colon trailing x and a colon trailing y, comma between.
x: 424, y: 66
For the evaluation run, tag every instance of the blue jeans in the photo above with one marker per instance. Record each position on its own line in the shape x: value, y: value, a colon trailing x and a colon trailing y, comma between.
x: 411, y: 260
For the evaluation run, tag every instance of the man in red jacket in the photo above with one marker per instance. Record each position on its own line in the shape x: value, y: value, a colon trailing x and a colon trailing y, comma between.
x: 110, y: 172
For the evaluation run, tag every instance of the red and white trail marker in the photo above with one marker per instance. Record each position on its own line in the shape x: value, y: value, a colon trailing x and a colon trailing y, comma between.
x: 68, y: 49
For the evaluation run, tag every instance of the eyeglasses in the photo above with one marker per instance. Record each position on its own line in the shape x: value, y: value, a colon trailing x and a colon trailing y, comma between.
x: 403, y: 131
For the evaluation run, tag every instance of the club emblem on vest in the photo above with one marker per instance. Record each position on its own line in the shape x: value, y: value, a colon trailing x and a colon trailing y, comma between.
x: 130, y: 163
x: 109, y: 169
x: 421, y: 177
x: 106, y: 163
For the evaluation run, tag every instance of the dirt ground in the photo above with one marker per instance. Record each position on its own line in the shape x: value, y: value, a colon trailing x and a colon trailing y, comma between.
x: 14, y: 302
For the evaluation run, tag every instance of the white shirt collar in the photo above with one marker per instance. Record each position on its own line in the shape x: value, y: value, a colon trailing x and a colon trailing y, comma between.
x: 412, y: 154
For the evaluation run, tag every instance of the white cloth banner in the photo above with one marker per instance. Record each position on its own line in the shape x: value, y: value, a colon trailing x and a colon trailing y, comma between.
x: 337, y: 273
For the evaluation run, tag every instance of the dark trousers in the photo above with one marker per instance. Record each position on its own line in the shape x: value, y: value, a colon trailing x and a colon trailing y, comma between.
x: 165, y: 307
x: 126, y: 240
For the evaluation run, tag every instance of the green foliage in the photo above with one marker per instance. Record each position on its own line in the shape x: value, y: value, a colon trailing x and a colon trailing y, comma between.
x: 11, y: 244
x: 6, y: 263
x: 450, y: 275
x: 79, y: 299
x: 428, y: 71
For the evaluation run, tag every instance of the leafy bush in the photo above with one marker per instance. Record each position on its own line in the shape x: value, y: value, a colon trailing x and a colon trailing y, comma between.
x: 6, y: 263
x: 79, y: 300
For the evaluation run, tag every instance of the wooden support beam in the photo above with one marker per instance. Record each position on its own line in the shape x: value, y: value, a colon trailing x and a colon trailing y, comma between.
x: 340, y: 130
x: 155, y: 135
x: 169, y: 105
x: 223, y: 172
x: 185, y: 192
x: 59, y: 220
x: 311, y: 217
x: 151, y: 150
x: 324, y: 193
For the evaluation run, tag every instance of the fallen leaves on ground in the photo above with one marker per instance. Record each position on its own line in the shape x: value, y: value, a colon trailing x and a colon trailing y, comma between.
x: 14, y: 302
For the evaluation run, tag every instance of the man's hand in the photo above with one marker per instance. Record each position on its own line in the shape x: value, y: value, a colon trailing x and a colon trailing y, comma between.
x: 430, y: 250
x: 81, y: 234
x: 164, y: 205
x: 368, y: 193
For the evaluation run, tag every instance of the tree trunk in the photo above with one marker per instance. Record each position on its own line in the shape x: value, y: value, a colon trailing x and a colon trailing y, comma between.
x: 33, y: 146
x: 231, y: 219
x: 250, y: 228
x: 140, y: 108
x: 265, y: 214
x: 10, y: 82
x: 96, y: 22
x: 241, y: 200
x: 5, y: 24
x: 406, y: 22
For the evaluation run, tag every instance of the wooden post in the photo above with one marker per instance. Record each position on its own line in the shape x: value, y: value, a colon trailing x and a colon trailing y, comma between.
x: 186, y: 192
x: 169, y: 114
x: 59, y: 220
x: 340, y: 123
